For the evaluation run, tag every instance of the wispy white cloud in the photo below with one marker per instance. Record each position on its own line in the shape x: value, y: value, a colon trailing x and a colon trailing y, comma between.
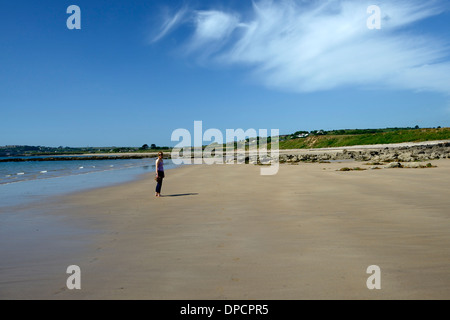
x: 170, y: 23
x: 310, y: 46
x: 212, y: 31
x: 214, y: 25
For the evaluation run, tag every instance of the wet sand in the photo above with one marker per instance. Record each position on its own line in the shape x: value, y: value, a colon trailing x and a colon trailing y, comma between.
x: 226, y: 232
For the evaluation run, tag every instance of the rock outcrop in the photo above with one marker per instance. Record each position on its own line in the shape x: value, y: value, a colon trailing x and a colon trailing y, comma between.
x: 384, y: 155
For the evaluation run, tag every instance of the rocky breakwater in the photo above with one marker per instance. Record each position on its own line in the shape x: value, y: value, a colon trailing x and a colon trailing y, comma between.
x: 387, y: 154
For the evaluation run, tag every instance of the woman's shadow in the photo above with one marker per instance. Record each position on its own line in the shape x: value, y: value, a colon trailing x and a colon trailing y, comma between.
x: 180, y: 195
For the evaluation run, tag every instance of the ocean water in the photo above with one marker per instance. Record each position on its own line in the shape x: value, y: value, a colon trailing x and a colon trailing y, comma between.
x: 25, y: 182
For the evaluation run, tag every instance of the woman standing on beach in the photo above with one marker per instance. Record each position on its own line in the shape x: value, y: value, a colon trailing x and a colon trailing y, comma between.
x: 159, y: 173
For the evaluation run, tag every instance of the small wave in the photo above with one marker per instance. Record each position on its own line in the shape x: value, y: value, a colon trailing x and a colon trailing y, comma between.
x: 20, y: 173
x: 43, y: 172
x: 81, y: 168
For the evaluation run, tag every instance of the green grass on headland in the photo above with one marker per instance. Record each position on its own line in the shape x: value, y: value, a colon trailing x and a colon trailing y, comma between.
x: 336, y: 140
x: 297, y: 140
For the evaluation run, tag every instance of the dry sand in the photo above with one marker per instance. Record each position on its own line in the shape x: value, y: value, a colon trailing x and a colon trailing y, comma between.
x: 226, y: 232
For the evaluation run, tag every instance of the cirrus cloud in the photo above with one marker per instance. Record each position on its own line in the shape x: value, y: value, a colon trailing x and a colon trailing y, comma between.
x: 308, y: 46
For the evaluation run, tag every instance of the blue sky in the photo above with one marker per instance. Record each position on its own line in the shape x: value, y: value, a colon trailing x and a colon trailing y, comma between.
x: 138, y: 70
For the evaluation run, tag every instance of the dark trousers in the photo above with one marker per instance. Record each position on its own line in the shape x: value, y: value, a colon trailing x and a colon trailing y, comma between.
x: 159, y: 181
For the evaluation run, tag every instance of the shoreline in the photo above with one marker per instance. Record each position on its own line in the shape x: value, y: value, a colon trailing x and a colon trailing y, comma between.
x: 393, y: 147
x: 76, y: 158
x: 43, y: 187
x: 225, y: 232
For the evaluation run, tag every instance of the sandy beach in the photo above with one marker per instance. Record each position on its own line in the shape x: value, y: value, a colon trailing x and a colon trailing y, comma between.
x: 226, y: 232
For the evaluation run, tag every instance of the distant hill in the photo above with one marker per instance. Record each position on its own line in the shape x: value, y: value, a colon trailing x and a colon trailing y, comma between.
x: 298, y: 140
x: 12, y: 151
x: 341, y: 138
